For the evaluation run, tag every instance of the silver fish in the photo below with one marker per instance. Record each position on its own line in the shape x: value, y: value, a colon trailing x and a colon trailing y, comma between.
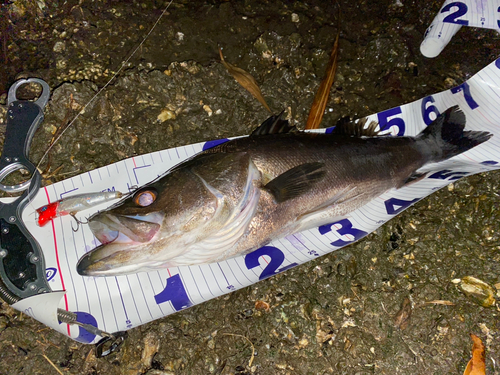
x: 240, y: 195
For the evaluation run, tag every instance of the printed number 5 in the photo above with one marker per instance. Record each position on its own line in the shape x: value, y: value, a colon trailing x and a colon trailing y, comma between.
x: 386, y: 123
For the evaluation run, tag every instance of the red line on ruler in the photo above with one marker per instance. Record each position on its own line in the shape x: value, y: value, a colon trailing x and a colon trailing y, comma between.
x: 57, y: 258
x: 135, y: 165
x: 169, y: 274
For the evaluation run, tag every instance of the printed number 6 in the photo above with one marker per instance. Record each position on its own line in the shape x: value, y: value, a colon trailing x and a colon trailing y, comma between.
x: 427, y: 110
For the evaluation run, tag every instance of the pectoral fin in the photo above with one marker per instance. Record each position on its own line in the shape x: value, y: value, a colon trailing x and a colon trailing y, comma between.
x: 296, y: 181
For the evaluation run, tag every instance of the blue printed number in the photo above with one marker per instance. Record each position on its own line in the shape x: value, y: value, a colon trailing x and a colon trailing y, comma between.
x: 498, y: 24
x: 175, y: 293
x: 448, y: 175
x: 210, y: 144
x: 84, y: 336
x: 468, y: 97
x: 386, y: 123
x: 452, y: 18
x: 428, y: 109
x: 346, y: 229
x: 277, y: 258
x: 394, y: 206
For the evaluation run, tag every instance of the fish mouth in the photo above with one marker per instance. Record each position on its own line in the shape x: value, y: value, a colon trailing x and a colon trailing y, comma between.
x: 121, y: 238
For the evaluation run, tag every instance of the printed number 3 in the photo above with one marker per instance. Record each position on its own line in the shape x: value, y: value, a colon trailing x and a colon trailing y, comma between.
x: 346, y: 229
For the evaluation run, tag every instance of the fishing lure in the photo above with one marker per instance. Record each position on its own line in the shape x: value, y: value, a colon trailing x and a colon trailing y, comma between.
x: 72, y: 205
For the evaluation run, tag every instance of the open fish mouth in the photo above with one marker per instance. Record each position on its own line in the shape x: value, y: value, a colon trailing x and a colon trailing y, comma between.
x: 109, y: 228
x: 119, y: 235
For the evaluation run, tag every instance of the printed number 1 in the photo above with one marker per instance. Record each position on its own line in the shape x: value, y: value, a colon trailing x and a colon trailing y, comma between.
x: 175, y: 293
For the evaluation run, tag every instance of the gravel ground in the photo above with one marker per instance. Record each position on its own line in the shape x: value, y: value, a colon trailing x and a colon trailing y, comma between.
x: 335, y: 315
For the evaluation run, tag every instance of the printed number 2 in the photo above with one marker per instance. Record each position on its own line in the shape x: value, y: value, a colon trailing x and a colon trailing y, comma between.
x: 175, y: 293
x: 468, y: 97
x: 346, y: 229
x: 452, y: 18
x: 386, y: 123
x: 277, y: 258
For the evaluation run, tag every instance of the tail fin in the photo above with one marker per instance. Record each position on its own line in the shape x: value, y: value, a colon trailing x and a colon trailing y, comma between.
x: 446, y: 137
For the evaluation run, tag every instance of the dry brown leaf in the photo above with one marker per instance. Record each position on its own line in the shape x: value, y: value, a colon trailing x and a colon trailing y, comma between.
x: 476, y: 365
x: 403, y: 316
x: 246, y: 80
x: 439, y: 302
x: 319, y: 103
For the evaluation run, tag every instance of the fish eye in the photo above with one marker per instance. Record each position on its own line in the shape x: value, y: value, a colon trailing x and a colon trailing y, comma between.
x: 145, y: 197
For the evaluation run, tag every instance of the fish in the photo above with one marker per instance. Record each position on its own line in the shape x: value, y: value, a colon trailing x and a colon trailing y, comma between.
x: 242, y: 194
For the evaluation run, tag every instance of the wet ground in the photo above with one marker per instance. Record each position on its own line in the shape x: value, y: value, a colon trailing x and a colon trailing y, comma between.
x: 336, y: 315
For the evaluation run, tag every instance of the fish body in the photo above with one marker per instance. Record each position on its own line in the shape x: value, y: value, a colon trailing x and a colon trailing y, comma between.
x: 240, y: 195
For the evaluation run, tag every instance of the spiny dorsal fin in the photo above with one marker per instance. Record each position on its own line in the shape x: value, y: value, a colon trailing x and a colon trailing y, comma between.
x: 274, y: 125
x: 357, y: 129
x: 296, y: 181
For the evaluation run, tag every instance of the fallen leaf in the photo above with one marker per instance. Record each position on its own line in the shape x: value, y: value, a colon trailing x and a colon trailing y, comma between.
x: 478, y: 291
x: 246, y: 80
x: 403, y: 316
x: 440, y: 302
x: 476, y: 365
x: 321, y: 98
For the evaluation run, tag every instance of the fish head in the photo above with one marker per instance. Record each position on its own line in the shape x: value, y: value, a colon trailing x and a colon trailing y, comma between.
x: 150, y: 226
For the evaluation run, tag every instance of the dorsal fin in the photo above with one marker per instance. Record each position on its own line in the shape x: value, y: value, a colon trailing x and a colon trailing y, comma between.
x: 274, y: 125
x: 356, y: 129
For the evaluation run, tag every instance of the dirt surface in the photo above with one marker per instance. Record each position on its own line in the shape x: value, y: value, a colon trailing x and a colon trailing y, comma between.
x: 335, y: 315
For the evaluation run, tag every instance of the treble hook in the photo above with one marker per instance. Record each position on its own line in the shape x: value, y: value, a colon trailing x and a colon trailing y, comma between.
x: 78, y: 222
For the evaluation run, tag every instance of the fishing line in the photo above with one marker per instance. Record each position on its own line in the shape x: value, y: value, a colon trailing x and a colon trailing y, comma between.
x: 105, y: 86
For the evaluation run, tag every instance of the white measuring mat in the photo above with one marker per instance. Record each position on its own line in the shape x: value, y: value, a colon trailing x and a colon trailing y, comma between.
x: 123, y: 302
x: 455, y: 14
